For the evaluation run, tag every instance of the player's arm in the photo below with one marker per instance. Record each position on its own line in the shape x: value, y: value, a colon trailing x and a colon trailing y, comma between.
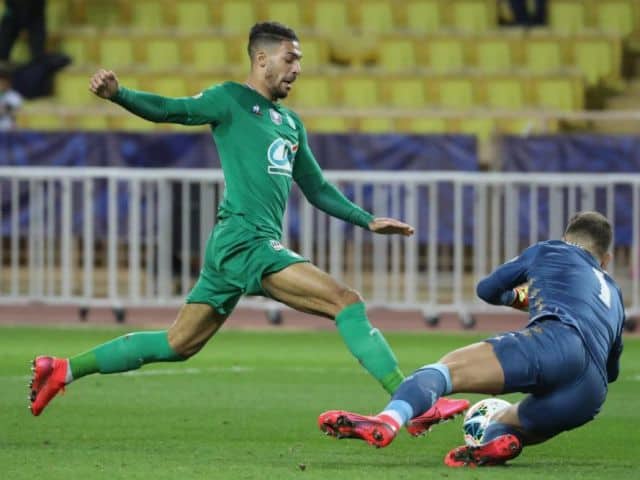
x: 200, y: 109
x: 613, y: 362
x: 504, y: 286
x: 325, y: 196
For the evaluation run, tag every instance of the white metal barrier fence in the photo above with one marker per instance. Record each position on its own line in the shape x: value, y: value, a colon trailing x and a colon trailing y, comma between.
x: 134, y: 237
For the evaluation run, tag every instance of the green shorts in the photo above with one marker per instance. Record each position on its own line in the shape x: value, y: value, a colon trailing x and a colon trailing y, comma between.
x: 237, y: 257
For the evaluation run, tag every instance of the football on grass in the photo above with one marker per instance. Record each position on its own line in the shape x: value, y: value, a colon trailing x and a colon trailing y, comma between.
x: 479, y: 417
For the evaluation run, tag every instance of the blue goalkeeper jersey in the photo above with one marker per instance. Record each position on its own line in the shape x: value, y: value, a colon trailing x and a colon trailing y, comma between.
x: 566, y: 282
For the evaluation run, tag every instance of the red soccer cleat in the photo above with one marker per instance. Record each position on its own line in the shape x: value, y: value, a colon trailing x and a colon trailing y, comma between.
x: 496, y: 452
x: 441, y: 411
x: 49, y: 374
x: 341, y: 424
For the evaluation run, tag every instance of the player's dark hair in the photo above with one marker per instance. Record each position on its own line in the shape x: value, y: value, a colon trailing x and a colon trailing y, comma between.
x: 591, y: 228
x: 268, y: 32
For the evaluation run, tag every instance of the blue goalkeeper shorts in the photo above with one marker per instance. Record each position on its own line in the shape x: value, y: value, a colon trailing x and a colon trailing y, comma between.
x: 548, y: 359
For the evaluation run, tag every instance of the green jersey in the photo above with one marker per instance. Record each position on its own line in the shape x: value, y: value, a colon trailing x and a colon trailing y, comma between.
x: 262, y: 146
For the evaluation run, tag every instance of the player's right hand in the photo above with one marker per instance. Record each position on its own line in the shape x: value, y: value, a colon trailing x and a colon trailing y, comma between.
x: 104, y: 83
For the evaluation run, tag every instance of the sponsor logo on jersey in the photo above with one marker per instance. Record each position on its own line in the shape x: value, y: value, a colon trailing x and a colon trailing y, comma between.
x: 280, y: 155
x: 275, y: 117
x: 256, y: 109
x: 291, y: 123
x: 276, y: 245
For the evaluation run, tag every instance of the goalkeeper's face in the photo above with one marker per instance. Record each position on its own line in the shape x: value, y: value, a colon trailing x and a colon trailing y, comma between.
x: 283, y: 68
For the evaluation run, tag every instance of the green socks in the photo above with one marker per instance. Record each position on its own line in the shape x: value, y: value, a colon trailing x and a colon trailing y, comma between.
x: 128, y: 352
x: 369, y: 346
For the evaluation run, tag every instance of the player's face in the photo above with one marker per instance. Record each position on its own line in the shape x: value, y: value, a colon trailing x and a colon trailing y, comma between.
x: 282, y: 69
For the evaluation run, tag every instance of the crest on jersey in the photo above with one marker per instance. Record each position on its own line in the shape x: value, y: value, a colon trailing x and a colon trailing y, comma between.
x: 275, y: 117
x: 280, y: 155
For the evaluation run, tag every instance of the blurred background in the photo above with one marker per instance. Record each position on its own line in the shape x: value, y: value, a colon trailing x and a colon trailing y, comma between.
x: 485, y: 123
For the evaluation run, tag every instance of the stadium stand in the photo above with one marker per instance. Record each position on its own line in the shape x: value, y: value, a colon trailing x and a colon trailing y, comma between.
x: 410, y: 57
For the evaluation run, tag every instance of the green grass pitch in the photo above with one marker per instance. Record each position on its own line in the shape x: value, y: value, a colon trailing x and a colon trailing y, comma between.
x: 246, y: 408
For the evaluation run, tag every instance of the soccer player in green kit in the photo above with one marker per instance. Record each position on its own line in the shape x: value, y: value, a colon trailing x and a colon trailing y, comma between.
x: 263, y: 148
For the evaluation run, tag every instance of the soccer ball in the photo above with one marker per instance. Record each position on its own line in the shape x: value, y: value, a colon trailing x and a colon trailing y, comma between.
x: 479, y: 417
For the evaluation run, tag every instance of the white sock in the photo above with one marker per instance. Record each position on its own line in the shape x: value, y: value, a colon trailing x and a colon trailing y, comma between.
x: 393, y: 415
x: 69, y: 377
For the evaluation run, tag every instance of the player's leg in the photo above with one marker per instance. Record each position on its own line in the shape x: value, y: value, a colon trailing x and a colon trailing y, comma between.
x: 307, y: 288
x: 194, y: 325
x: 472, y: 369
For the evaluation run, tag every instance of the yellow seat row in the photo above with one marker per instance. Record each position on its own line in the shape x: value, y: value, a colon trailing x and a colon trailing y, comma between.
x: 598, y: 57
x: 481, y: 126
x: 238, y: 15
x: 502, y: 92
x: 616, y: 16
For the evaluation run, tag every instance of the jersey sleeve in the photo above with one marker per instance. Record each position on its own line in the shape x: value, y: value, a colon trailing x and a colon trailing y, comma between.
x: 497, y: 287
x: 321, y: 193
x: 207, y: 107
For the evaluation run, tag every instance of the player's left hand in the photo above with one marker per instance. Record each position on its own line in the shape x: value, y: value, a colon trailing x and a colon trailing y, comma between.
x: 390, y: 226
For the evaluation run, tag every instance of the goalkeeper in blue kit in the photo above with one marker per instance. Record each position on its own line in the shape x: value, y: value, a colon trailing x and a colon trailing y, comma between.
x: 564, y: 359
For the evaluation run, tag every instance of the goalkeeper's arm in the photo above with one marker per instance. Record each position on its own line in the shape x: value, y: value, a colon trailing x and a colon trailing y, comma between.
x: 506, y: 284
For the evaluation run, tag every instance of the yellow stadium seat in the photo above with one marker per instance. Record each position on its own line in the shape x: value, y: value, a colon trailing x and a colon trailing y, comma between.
x: 116, y: 52
x: 102, y: 13
x: 198, y: 84
x: 482, y: 128
x: 313, y: 91
x: 193, y: 15
x: 57, y: 13
x: 360, y: 92
x: 162, y: 53
x: 506, y: 93
x: 405, y: 92
x: 567, y: 16
x: 543, y: 55
x: 446, y: 54
x: 615, y: 16
x: 327, y: 124
x: 92, y: 122
x: 237, y: 16
x: 494, y: 54
x: 129, y: 81
x: 171, y: 86
x: 423, y: 16
x: 376, y: 125
x: 376, y: 16
x: 330, y: 16
x: 73, y: 89
x: 473, y: 15
x: 315, y: 53
x: 43, y: 121
x: 132, y: 123
x: 396, y: 54
x: 597, y: 58
x: 288, y: 12
x: 559, y: 93
x: 20, y: 52
x: 81, y: 49
x: 423, y: 125
x: 456, y: 92
x: 209, y: 53
x: 148, y: 15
